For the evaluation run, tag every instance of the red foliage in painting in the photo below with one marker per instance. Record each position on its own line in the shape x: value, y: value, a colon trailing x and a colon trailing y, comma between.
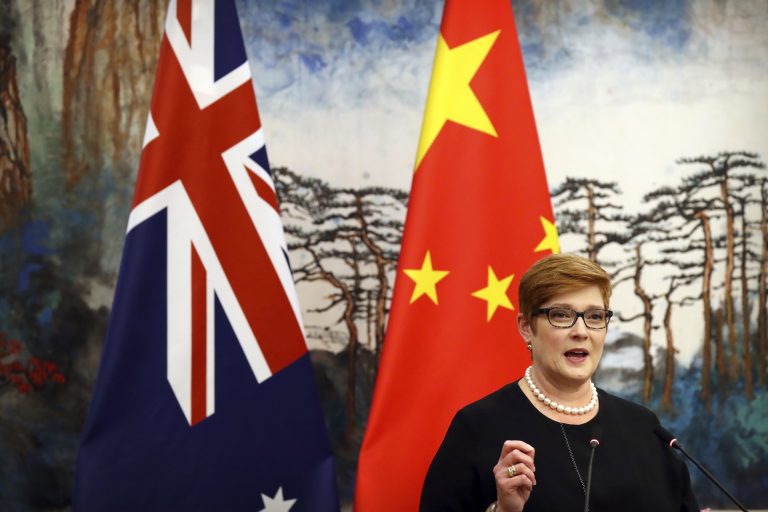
x: 28, y: 375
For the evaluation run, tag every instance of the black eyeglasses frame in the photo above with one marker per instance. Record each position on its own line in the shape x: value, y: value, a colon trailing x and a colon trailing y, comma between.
x: 545, y: 311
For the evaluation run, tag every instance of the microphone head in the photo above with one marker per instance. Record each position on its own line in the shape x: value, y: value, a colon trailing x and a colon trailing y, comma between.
x: 666, y: 436
x: 597, y: 432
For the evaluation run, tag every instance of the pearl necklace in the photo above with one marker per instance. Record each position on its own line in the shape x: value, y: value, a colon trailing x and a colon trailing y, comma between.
x: 560, y: 407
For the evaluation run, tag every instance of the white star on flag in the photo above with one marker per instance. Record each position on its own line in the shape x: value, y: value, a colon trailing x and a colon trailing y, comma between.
x: 276, y: 504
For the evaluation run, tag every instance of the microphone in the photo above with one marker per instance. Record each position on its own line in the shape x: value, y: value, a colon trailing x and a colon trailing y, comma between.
x: 597, y: 431
x: 668, y: 438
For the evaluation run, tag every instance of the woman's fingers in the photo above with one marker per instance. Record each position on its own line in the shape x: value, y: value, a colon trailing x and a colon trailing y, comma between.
x: 516, y: 456
x: 504, y: 472
x: 520, y: 481
x: 519, y: 455
x: 514, y: 474
x: 526, y: 471
x: 522, y: 446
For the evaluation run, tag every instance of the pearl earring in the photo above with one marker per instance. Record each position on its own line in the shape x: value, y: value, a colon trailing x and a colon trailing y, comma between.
x: 530, y: 347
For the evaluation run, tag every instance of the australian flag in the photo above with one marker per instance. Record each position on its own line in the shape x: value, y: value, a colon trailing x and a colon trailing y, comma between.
x: 205, y: 397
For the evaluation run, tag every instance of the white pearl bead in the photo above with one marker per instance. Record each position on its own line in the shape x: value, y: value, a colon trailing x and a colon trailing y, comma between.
x: 541, y: 396
x: 560, y: 408
x: 547, y: 401
x: 553, y: 405
x: 567, y: 410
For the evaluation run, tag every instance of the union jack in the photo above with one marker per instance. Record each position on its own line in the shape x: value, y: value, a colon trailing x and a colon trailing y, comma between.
x: 224, y: 231
x: 205, y: 312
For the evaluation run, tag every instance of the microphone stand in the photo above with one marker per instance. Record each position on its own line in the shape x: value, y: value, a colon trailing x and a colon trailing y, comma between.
x: 666, y: 436
x: 676, y: 444
x: 593, y: 444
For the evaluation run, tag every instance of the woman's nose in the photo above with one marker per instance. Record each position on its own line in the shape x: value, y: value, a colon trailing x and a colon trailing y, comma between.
x: 579, y: 329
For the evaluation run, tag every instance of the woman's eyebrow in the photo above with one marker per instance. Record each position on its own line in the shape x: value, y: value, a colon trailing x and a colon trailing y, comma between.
x: 570, y: 306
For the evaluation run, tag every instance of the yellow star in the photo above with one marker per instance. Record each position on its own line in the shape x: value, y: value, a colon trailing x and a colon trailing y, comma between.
x: 495, y: 293
x: 550, y: 240
x: 450, y: 96
x: 426, y: 279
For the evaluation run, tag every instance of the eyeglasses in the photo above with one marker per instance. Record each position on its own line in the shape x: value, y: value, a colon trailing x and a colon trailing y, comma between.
x: 564, y: 318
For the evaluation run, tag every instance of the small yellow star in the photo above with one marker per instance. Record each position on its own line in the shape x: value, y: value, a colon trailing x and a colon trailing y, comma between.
x: 495, y: 293
x: 426, y: 279
x: 550, y: 240
x: 450, y: 96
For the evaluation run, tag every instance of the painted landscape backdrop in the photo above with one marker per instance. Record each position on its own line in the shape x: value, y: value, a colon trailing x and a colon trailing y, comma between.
x: 653, y: 120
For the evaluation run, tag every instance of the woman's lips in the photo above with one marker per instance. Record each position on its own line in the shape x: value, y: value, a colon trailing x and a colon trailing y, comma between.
x: 576, y: 356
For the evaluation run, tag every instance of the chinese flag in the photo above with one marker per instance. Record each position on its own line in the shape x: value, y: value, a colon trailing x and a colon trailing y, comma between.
x: 479, y: 216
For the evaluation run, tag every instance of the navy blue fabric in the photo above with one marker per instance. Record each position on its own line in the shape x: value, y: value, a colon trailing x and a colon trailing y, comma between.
x: 139, y: 453
x: 260, y: 157
x: 228, y: 46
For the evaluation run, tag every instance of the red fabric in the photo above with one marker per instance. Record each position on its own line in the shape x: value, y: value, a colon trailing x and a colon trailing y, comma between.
x: 476, y: 201
x: 204, y: 134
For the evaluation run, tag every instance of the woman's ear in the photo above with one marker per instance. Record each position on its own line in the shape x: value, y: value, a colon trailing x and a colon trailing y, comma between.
x: 524, y: 327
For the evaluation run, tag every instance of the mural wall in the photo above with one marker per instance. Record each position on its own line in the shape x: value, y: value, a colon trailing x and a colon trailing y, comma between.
x: 653, y: 120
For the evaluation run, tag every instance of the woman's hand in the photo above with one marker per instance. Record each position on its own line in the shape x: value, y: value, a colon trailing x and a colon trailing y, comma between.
x: 514, y: 486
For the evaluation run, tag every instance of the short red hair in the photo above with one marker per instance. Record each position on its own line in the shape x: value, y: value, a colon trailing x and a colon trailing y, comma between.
x: 556, y: 274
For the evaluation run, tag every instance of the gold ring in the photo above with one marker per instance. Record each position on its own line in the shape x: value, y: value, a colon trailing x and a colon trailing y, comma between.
x: 512, y: 470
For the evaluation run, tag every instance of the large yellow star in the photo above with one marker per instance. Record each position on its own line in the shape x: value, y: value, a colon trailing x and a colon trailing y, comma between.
x: 426, y: 279
x: 550, y: 240
x: 450, y: 96
x: 495, y: 293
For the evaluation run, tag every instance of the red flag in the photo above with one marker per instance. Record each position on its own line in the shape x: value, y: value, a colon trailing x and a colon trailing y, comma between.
x: 479, y: 215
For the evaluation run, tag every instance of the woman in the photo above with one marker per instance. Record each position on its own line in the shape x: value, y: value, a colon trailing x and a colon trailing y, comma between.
x: 527, y: 445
